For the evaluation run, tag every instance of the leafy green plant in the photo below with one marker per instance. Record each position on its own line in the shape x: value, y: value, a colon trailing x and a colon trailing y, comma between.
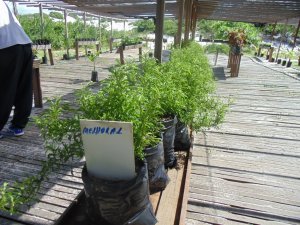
x: 92, y: 57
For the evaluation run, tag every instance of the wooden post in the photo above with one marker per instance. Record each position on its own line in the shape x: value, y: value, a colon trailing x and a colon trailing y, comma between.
x: 66, y: 33
x: 15, y: 8
x: 121, y: 50
x: 159, y: 26
x: 296, y: 34
x: 281, y: 39
x: 124, y: 26
x: 42, y: 24
x: 179, y: 28
x: 140, y: 53
x: 188, y: 11
x: 100, y: 33
x: 273, y: 32
x: 271, y: 54
x: 84, y: 25
x: 194, y: 21
x: 111, y: 36
x: 77, y: 50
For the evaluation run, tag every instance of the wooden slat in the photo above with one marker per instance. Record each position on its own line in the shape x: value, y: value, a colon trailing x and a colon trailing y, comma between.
x: 247, y: 171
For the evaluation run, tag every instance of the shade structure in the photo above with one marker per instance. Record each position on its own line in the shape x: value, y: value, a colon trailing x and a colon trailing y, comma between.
x: 256, y: 11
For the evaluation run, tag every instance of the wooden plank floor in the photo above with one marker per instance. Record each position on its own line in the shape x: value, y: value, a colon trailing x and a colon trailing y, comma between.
x: 248, y: 171
x: 22, y: 156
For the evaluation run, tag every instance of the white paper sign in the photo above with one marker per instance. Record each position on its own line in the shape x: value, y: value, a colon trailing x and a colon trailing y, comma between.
x: 109, y: 150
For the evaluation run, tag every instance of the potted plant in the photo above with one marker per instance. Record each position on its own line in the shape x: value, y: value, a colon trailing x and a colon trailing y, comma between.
x: 236, y: 40
x: 92, y: 57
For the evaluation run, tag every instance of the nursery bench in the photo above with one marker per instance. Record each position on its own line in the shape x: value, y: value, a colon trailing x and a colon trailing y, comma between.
x: 80, y: 43
x: 121, y: 50
x: 44, y: 47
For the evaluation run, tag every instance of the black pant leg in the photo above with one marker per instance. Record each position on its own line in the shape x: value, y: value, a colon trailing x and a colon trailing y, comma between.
x: 10, y: 60
x: 23, y: 99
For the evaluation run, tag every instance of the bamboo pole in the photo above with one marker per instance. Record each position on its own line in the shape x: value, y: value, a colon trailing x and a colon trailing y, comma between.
x: 159, y: 26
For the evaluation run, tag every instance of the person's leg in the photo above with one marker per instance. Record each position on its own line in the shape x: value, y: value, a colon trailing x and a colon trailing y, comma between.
x: 23, y: 99
x: 9, y: 75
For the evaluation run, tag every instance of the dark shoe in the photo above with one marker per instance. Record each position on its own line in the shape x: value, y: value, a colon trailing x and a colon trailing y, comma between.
x: 16, y: 131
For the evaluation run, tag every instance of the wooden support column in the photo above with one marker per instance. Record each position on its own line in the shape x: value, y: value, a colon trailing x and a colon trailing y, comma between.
x: 188, y: 13
x: 124, y: 26
x: 84, y: 25
x: 66, y: 33
x: 140, y: 53
x: 121, y: 50
x: 194, y: 21
x: 111, y: 36
x: 42, y: 24
x: 15, y: 8
x: 159, y: 27
x: 100, y: 33
x: 273, y: 32
x: 179, y: 28
x: 281, y: 39
x: 296, y: 34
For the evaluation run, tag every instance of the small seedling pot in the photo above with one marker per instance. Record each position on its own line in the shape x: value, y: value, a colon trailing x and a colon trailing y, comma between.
x: 94, y: 76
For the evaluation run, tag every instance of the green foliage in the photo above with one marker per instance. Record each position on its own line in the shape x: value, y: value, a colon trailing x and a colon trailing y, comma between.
x: 141, y: 94
x: 192, y: 74
x: 213, y: 48
x: 221, y: 29
x: 56, y: 15
x: 127, y: 40
x: 55, y: 31
x: 146, y: 26
x: 170, y: 27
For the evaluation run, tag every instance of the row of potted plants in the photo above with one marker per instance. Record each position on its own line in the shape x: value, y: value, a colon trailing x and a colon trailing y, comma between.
x: 152, y: 96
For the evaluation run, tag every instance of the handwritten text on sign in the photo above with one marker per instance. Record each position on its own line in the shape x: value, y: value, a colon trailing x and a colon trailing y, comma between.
x: 108, y: 147
x: 102, y: 130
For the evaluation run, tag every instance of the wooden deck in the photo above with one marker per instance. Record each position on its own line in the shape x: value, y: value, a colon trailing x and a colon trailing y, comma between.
x: 248, y: 171
x: 22, y: 156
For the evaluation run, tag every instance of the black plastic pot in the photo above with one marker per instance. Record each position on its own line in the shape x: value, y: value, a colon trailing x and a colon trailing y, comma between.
x: 255, y: 54
x: 44, y: 60
x: 182, y: 140
x: 289, y: 64
x: 119, y: 202
x: 283, y: 62
x: 94, y: 76
x: 158, y: 177
x: 267, y: 57
x: 261, y: 55
x: 168, y: 140
x: 278, y: 61
x: 65, y: 57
